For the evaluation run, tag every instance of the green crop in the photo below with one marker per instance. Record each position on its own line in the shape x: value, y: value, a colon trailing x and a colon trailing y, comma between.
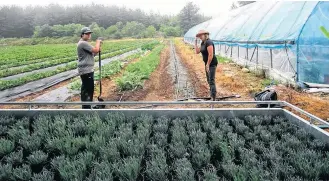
x: 6, y: 147
x: 6, y: 84
x: 157, y: 168
x: 22, y: 173
x: 37, y: 157
x: 31, y: 142
x: 6, y: 172
x: 101, y: 171
x: 15, y: 158
x: 118, y: 147
x: 109, y: 152
x: 183, y: 170
x: 44, y: 175
x: 127, y: 169
x: 136, y: 73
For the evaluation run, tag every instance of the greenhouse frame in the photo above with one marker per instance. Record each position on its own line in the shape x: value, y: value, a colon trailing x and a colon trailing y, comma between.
x: 287, y: 39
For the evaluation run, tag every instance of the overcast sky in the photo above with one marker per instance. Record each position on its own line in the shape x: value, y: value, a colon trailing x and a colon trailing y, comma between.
x: 207, y: 7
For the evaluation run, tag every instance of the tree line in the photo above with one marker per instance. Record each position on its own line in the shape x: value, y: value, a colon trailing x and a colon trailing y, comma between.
x: 110, y: 21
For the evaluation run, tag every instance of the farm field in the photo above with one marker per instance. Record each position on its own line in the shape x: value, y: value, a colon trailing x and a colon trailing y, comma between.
x: 20, y: 75
x: 118, y: 147
x: 135, y: 81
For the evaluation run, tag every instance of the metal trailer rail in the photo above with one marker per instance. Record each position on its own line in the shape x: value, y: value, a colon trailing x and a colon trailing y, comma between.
x: 313, y: 124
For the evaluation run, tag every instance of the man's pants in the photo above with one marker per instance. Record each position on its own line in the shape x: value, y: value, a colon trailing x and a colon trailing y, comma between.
x: 87, y: 88
x: 211, y: 81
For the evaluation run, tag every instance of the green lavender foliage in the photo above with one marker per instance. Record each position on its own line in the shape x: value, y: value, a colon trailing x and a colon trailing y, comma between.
x: 23, y: 172
x: 6, y: 147
x: 157, y: 168
x: 178, y: 150
x: 69, y: 169
x: 15, y: 158
x: 160, y: 139
x: 128, y: 168
x: 37, y: 157
x: 3, y: 130
x: 210, y: 175
x: 179, y: 135
x: 198, y: 136
x: 200, y: 154
x: 101, y: 171
x: 86, y: 147
x: 183, y: 170
x: 31, y: 142
x: 44, y: 175
x: 7, y: 120
x: 6, y: 171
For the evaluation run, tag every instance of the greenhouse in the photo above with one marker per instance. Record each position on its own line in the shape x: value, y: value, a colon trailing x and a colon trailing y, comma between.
x: 287, y: 39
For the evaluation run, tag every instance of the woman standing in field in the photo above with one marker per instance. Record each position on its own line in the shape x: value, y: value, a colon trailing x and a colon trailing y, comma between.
x: 86, y: 65
x: 207, y: 50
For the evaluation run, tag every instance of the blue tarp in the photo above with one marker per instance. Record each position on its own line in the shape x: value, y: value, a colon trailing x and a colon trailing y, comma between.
x: 277, y: 25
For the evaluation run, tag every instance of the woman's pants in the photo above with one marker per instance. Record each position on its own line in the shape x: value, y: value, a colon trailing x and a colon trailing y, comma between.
x: 211, y: 81
x: 87, y: 88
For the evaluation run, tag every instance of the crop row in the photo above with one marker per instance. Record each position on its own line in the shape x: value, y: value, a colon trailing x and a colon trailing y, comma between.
x: 117, y: 147
x: 31, y: 67
x: 6, y: 84
x: 106, y: 48
x: 136, y: 73
x: 108, y: 70
x: 16, y: 55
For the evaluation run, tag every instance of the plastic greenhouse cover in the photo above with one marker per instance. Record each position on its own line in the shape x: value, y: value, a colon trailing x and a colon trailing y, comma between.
x: 313, y: 47
x: 259, y: 21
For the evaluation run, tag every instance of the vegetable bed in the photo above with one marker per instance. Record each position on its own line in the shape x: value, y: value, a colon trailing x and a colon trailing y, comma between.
x: 117, y: 147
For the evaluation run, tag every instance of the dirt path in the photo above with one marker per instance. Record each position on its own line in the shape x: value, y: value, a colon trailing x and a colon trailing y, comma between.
x: 231, y: 80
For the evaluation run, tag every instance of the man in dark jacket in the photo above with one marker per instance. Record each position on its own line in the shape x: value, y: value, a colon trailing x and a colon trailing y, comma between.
x: 86, y: 65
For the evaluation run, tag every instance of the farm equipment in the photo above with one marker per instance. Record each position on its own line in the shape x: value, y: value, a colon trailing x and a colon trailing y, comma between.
x: 100, y: 106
